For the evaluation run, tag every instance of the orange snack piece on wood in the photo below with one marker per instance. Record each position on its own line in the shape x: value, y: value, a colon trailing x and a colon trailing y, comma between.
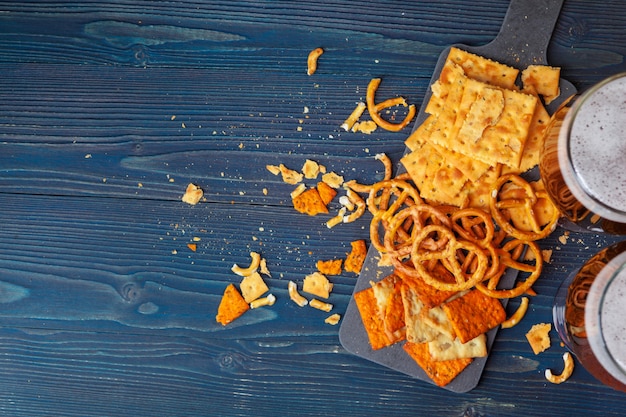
x: 330, y: 267
x: 326, y: 192
x: 355, y: 259
x: 232, y: 306
x: 310, y: 202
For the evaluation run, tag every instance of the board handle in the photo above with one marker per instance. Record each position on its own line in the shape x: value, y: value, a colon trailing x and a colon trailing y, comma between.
x: 525, y: 33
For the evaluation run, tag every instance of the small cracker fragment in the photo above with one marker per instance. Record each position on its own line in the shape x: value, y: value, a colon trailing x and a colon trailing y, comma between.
x: 310, y: 202
x: 373, y: 323
x: 310, y: 169
x: 539, y: 337
x: 320, y: 305
x: 473, y: 314
x: 326, y: 192
x: 333, y: 179
x: 317, y: 284
x: 333, y: 319
x: 274, y: 169
x: 356, y: 257
x: 330, y: 267
x: 253, y: 287
x: 441, y: 372
x: 444, y: 348
x: 544, y: 79
x: 367, y: 127
x: 290, y: 176
x: 193, y: 194
x: 231, y: 306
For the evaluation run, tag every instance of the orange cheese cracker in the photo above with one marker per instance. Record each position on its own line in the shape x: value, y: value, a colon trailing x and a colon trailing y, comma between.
x: 388, y: 294
x: 309, y: 202
x: 231, y: 306
x: 356, y: 257
x: 427, y: 294
x: 326, y: 192
x: 441, y: 372
x: 473, y: 314
x: 373, y: 323
x: 330, y: 267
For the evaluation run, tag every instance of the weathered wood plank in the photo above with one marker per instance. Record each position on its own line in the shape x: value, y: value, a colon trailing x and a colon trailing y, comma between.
x: 107, y: 111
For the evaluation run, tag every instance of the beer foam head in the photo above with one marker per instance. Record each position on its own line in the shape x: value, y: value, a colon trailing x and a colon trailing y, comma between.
x: 597, y: 148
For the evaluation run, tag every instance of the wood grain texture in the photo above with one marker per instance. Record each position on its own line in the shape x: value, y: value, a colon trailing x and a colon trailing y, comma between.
x: 108, y: 111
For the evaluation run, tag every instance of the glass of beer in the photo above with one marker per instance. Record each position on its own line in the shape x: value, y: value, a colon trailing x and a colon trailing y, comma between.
x: 583, y: 163
x: 588, y: 315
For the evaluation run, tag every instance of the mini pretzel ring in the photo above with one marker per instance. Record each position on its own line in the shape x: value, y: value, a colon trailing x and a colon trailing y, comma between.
x: 402, y: 189
x: 401, y: 245
x: 512, y: 262
x: 448, y: 257
x: 475, y: 225
x: 527, y: 203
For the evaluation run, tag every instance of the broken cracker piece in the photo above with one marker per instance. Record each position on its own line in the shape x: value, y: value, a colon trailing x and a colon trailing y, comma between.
x: 539, y: 337
x: 232, y: 306
x: 317, y: 284
x: 356, y: 257
x: 193, y: 194
x: 253, y: 287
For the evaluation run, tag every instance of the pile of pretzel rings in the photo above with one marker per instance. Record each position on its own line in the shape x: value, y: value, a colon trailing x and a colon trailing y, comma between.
x: 455, y: 249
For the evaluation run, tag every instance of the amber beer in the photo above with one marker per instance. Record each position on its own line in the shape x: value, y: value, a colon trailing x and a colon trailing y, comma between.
x: 588, y: 315
x: 583, y: 163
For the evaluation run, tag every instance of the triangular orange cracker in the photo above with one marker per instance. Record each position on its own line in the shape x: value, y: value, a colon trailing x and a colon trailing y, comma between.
x: 326, y: 192
x: 310, y: 202
x: 231, y: 306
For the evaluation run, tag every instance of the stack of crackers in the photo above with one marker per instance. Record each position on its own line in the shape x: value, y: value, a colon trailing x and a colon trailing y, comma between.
x: 443, y: 331
x: 479, y: 126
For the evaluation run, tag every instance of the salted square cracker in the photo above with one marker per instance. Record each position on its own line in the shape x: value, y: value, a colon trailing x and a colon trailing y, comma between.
x: 484, y: 69
x: 544, y: 79
x: 473, y: 314
x: 253, y: 287
x: 504, y: 141
x: 440, y: 372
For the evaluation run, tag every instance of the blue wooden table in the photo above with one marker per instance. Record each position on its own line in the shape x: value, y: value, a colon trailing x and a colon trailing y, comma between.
x: 108, y: 111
